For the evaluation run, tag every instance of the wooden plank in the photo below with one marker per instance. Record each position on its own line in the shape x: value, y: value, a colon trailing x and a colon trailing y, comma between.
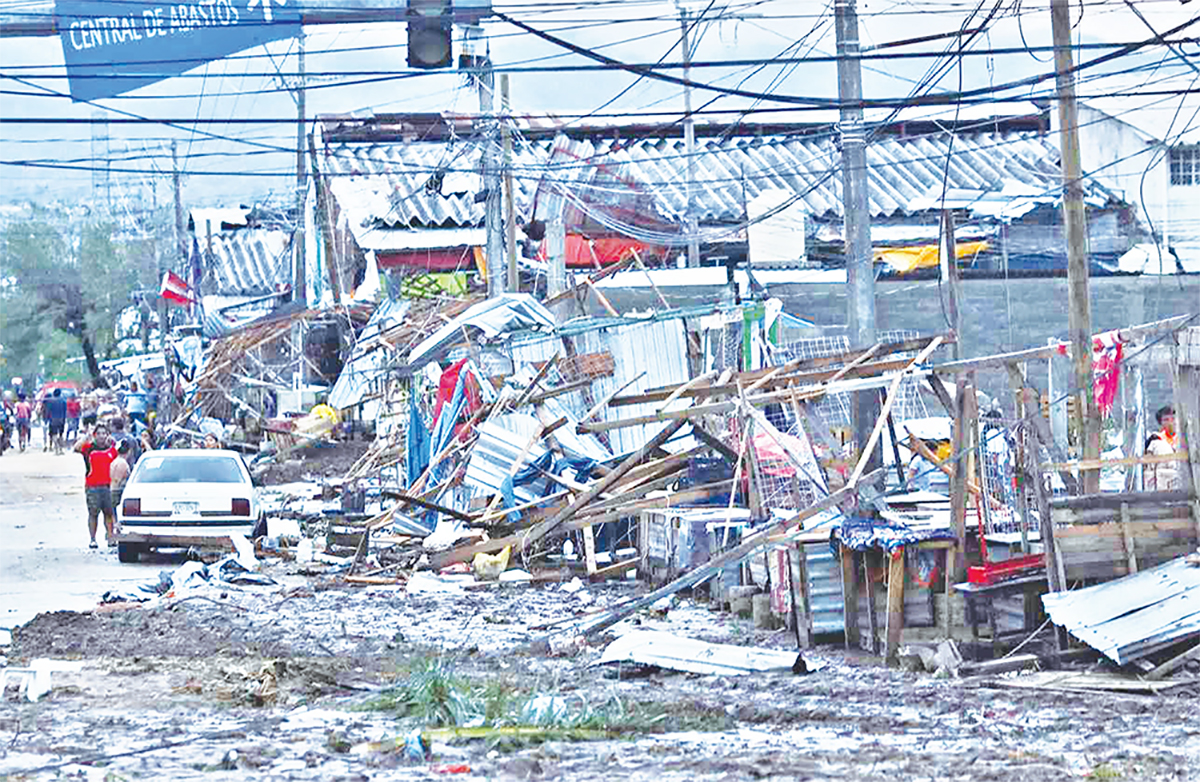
x: 895, y: 604
x: 800, y: 365
x: 607, y: 271
x: 886, y: 410
x: 596, y: 408
x: 1114, y: 500
x: 1100, y: 464
x: 688, y: 386
x: 1000, y: 360
x: 713, y: 442
x: 1145, y: 530
x: 1127, y: 539
x: 869, y: 589
x: 1174, y: 662
x: 729, y: 388
x: 849, y: 598
x: 1138, y: 514
x: 747, y: 547
x: 589, y: 549
x: 801, y: 600
x: 618, y: 569
x: 958, y: 480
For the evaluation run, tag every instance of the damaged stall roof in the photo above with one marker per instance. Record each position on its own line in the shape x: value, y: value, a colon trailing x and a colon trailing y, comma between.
x: 1133, y: 616
x: 366, y: 361
x: 489, y: 319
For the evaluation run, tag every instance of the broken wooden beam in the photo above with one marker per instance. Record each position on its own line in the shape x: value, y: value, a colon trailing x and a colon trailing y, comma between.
x: 748, y: 547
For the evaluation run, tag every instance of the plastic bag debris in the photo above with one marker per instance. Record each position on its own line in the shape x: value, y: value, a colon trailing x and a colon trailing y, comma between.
x: 489, y: 567
x: 426, y: 583
x: 545, y: 710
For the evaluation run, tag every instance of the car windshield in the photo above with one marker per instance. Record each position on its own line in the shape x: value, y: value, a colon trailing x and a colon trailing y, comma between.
x: 202, y: 469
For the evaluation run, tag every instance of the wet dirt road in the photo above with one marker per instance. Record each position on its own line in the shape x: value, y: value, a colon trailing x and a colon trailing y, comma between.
x: 45, y: 562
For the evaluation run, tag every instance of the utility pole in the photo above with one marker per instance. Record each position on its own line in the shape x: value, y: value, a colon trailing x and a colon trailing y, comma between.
x: 860, y: 274
x: 299, y: 285
x: 510, y: 211
x: 949, y: 262
x: 689, y: 144
x: 180, y: 239
x: 485, y: 83
x: 1075, y: 219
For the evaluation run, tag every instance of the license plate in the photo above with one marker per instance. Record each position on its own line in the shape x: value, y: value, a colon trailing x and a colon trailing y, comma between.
x: 186, y: 508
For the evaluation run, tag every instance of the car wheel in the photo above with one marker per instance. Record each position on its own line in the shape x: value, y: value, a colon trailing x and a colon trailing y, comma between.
x: 128, y: 552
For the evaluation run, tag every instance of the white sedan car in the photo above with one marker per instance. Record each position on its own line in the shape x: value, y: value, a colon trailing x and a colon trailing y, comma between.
x: 184, y: 498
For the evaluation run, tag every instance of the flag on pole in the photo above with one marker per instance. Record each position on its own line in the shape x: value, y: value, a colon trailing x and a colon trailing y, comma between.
x: 175, y: 290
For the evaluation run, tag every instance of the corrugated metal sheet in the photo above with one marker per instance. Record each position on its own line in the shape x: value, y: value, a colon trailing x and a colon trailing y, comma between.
x: 366, y: 364
x: 433, y: 184
x: 1130, y: 617
x: 247, y: 262
x: 500, y: 443
x: 659, y: 348
x: 824, y: 589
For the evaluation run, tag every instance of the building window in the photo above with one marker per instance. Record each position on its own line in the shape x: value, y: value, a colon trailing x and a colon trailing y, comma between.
x: 1185, y: 166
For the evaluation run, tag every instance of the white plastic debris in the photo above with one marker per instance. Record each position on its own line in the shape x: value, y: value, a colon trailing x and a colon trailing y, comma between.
x: 572, y: 586
x: 516, y: 574
x: 34, y: 681
x: 245, y: 551
x: 304, y: 551
x: 427, y: 583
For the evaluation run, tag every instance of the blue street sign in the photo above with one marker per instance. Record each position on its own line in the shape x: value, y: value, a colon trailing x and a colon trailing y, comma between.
x: 115, y: 46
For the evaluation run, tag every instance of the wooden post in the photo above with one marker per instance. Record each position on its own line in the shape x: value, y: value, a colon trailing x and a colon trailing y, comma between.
x: 1075, y: 221
x: 872, y: 619
x: 895, y: 604
x: 947, y: 624
x: 1127, y: 539
x: 850, y: 598
x: 801, y: 605
x: 958, y: 481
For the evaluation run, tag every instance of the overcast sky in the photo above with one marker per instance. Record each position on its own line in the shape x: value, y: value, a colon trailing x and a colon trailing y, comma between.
x: 208, y: 97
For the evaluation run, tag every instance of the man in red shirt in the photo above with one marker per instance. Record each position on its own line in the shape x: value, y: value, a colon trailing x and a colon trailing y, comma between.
x: 99, y: 451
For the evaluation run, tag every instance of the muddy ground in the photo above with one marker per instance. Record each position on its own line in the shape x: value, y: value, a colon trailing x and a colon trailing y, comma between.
x: 310, y: 679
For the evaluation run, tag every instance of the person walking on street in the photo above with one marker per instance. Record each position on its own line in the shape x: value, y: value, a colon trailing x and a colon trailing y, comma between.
x: 119, y: 436
x: 118, y: 473
x: 99, y: 451
x: 74, y: 410
x: 24, y: 412
x: 136, y: 403
x: 1164, y: 476
x: 54, y: 412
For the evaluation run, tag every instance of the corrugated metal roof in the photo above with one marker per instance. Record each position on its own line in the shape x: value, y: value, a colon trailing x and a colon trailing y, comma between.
x: 1130, y: 617
x: 434, y: 183
x: 248, y: 262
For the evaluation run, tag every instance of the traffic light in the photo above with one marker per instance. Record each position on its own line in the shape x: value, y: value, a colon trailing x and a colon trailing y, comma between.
x: 430, y: 33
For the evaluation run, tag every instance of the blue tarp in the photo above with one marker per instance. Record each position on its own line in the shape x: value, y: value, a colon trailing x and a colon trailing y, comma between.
x: 418, y: 443
x: 861, y: 534
x: 539, y: 467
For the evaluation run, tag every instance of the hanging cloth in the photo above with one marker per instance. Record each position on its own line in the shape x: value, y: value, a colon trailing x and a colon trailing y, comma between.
x: 418, y: 442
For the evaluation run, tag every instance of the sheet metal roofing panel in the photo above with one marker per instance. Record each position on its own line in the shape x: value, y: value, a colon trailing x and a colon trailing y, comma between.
x: 248, y: 262
x: 500, y: 442
x: 381, y: 183
x: 1132, y: 616
x: 658, y: 348
x: 366, y: 364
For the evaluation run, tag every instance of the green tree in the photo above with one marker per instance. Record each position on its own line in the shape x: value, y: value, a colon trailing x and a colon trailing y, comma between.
x: 73, y: 279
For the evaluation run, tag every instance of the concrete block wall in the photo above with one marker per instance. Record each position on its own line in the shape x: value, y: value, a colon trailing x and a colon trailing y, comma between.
x: 998, y: 316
